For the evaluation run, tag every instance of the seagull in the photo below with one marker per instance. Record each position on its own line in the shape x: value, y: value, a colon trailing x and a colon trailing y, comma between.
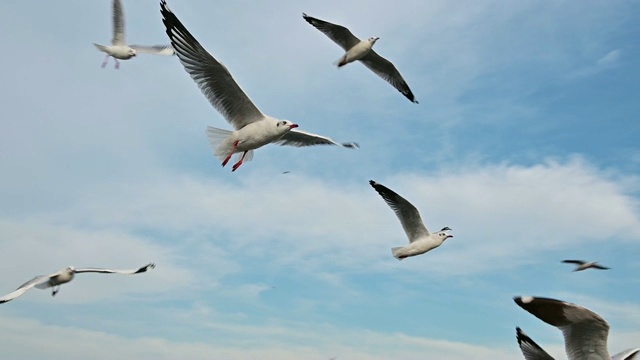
x: 533, y: 351
x: 119, y: 48
x: 585, y: 332
x: 420, y: 239
x: 253, y: 129
x: 362, y: 50
x: 583, y: 265
x: 65, y: 275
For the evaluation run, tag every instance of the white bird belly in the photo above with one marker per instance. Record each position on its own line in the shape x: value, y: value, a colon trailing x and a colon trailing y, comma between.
x: 119, y: 52
x: 420, y: 247
x: 61, y: 279
x: 357, y: 52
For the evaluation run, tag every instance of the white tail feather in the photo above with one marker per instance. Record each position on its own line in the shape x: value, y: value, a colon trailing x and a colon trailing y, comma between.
x: 396, y: 252
x: 247, y: 157
x: 100, y: 47
x: 216, y: 139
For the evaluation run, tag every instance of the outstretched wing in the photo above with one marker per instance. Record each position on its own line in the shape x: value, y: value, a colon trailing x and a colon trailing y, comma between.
x: 386, y: 70
x: 118, y: 24
x: 110, y: 271
x: 577, y: 262
x: 38, y: 280
x: 339, y: 34
x: 585, y: 332
x: 300, y: 138
x: 598, y: 266
x: 407, y: 213
x: 213, y: 78
x: 529, y: 348
x: 154, y: 49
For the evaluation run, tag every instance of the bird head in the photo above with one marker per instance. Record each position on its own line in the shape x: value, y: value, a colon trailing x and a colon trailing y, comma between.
x: 132, y: 52
x: 71, y: 269
x: 373, y: 40
x: 286, y: 125
x: 444, y: 234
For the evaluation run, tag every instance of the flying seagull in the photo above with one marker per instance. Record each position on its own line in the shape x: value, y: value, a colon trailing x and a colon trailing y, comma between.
x: 119, y: 48
x: 64, y: 276
x: 533, y: 351
x: 253, y: 129
x: 420, y: 240
x: 585, y: 332
x: 362, y: 50
x: 583, y: 265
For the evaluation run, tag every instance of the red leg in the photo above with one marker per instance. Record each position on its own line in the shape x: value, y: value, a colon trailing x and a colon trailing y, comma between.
x: 237, y: 165
x: 233, y: 149
x: 104, y: 63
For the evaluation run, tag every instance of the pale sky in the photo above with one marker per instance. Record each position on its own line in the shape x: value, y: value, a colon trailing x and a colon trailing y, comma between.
x: 525, y: 143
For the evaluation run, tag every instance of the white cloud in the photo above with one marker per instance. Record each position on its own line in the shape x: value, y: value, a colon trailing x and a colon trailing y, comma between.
x: 498, y: 213
x: 29, y: 339
x: 610, y: 58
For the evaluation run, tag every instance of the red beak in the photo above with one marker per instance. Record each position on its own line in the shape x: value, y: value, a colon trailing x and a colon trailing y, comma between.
x: 292, y: 126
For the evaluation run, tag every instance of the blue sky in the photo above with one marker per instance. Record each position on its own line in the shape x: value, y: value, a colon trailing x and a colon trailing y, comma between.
x: 525, y: 143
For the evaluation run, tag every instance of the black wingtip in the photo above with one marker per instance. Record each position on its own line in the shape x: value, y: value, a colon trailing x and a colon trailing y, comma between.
x: 163, y: 6
x: 148, y: 266
x: 409, y: 95
x: 379, y: 188
x: 518, y: 300
x: 521, y: 337
x: 308, y: 18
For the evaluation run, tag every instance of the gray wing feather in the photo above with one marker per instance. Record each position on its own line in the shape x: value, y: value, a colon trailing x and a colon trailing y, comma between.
x: 154, y: 49
x: 110, y: 271
x: 41, y: 279
x: 584, y: 331
x: 211, y: 76
x: 407, y: 213
x: 529, y: 348
x: 339, y: 34
x: 118, y: 24
x: 386, y: 70
x: 300, y: 138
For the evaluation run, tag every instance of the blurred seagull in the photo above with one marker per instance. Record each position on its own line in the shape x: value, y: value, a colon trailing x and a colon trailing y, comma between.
x: 253, y: 128
x: 420, y: 239
x: 583, y: 265
x: 119, y: 48
x: 585, y: 332
x: 64, y: 276
x: 362, y: 50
